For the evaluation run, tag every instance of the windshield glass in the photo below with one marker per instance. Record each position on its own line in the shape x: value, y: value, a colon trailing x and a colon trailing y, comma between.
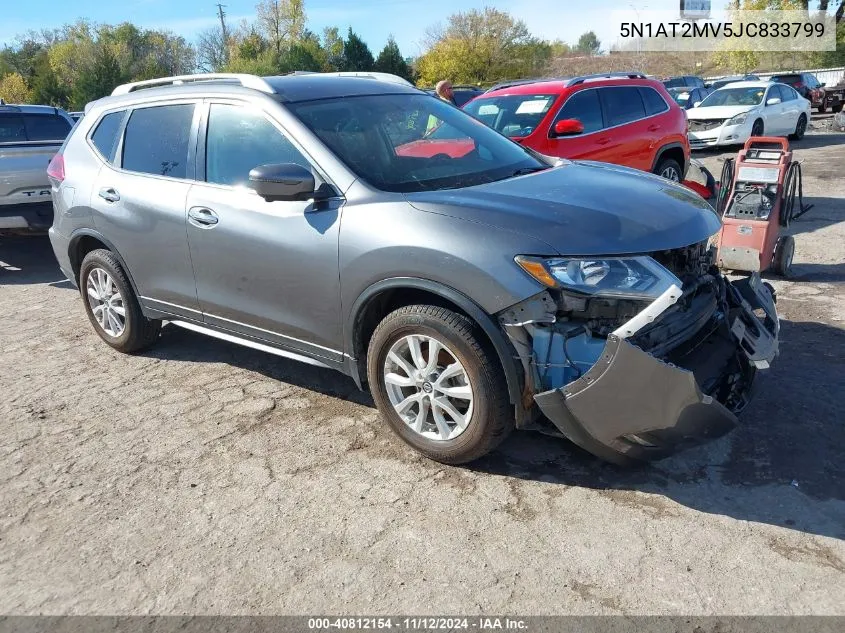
x: 512, y: 115
x: 413, y: 142
x: 748, y: 96
x: 680, y: 95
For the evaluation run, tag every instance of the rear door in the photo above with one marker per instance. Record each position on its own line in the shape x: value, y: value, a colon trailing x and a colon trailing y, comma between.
x: 139, y: 201
x: 779, y: 113
x: 627, y: 130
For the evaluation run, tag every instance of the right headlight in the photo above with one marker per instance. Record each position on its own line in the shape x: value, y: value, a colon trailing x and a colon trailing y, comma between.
x: 620, y: 277
x: 739, y: 119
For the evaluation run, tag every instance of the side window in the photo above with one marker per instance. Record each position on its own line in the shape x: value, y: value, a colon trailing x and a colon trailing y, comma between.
x: 777, y: 91
x: 156, y: 140
x: 622, y: 105
x: 787, y: 93
x: 654, y: 103
x: 46, y: 127
x: 105, y: 135
x: 11, y: 128
x: 698, y: 82
x: 239, y: 139
x: 584, y: 106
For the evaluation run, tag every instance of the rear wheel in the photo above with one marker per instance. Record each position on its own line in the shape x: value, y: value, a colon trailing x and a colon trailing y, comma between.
x: 837, y: 107
x: 784, y: 253
x: 438, y: 385
x: 823, y: 106
x: 757, y: 128
x: 669, y: 169
x: 111, y: 304
x: 800, y: 128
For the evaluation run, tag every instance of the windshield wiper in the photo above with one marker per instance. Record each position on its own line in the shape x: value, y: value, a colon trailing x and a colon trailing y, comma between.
x: 522, y: 171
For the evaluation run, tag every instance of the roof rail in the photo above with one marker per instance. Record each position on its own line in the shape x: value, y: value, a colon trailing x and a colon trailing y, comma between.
x: 366, y: 74
x: 584, y: 78
x: 521, y: 82
x: 247, y: 81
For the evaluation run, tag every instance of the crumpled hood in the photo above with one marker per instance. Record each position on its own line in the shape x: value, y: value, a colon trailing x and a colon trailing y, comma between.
x: 583, y: 208
x: 717, y: 112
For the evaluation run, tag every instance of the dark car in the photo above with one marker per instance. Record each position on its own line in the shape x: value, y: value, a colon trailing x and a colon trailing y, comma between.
x: 688, y: 97
x: 806, y: 85
x: 724, y: 81
x: 461, y: 94
x: 684, y: 81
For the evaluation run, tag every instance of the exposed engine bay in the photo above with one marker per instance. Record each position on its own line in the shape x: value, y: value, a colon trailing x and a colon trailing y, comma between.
x: 588, y: 359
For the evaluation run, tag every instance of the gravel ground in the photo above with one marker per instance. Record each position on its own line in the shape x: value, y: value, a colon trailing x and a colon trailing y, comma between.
x: 204, y: 478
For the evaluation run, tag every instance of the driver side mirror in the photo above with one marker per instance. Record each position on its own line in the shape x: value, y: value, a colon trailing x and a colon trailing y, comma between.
x: 282, y: 181
x: 773, y: 101
x: 568, y: 127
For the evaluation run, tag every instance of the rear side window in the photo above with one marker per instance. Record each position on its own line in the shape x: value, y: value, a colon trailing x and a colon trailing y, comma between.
x: 105, y: 135
x: 654, y: 103
x: 788, y: 93
x: 584, y: 106
x: 156, y: 140
x: 12, y: 129
x: 46, y: 127
x: 622, y: 105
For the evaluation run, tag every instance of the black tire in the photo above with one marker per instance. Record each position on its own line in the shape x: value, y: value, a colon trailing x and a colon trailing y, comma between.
x: 822, y: 106
x: 757, y: 129
x: 800, y: 128
x: 784, y: 253
x: 492, y: 418
x: 139, y: 332
x: 837, y: 108
x: 668, y: 165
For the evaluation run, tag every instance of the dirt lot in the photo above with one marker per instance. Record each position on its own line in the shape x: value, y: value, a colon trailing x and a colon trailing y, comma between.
x: 205, y: 478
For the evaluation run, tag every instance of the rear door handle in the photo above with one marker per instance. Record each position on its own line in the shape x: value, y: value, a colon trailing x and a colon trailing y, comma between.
x: 603, y: 141
x: 202, y: 217
x: 653, y: 127
x: 109, y: 194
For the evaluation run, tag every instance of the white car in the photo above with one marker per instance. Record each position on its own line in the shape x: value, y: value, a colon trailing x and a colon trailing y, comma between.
x: 730, y: 115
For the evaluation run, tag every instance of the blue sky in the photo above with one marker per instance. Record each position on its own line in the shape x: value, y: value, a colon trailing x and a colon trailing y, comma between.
x: 374, y: 20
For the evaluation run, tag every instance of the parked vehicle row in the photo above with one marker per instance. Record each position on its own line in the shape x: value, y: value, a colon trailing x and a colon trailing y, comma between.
x: 475, y: 290
x: 30, y: 136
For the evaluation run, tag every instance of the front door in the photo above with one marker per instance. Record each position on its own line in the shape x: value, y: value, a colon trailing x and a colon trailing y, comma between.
x: 267, y: 270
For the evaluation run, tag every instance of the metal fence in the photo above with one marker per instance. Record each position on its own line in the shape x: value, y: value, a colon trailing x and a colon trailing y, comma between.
x: 827, y: 76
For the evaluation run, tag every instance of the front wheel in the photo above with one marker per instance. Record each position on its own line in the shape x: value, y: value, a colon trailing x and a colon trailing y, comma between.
x: 757, y: 128
x: 111, y: 304
x: 438, y: 384
x: 800, y: 128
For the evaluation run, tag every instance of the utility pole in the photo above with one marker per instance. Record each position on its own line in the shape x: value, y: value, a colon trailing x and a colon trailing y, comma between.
x: 222, y: 15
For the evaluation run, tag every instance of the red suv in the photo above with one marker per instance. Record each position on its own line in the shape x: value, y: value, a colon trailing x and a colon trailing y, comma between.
x: 618, y: 118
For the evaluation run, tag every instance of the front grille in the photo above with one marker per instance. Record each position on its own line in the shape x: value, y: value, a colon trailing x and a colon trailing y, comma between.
x: 702, y: 125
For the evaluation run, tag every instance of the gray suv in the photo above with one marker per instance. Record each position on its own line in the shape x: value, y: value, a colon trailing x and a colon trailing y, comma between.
x: 319, y: 218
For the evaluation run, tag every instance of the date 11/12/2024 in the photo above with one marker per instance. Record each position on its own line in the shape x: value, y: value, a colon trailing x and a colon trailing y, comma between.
x: 417, y: 624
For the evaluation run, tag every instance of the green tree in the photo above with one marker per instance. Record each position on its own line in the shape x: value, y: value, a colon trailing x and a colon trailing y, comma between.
x: 13, y: 88
x: 333, y: 47
x: 390, y: 60
x: 45, y: 86
x: 282, y: 21
x: 478, y: 46
x: 356, y: 54
x: 98, y: 81
x: 588, y: 44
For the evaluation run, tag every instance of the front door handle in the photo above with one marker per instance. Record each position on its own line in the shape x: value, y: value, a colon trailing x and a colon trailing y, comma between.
x: 603, y: 141
x: 653, y: 127
x: 109, y: 194
x: 202, y: 217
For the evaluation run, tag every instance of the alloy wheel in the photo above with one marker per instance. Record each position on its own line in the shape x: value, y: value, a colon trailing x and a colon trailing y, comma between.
x: 106, y: 302
x: 670, y: 173
x: 428, y: 387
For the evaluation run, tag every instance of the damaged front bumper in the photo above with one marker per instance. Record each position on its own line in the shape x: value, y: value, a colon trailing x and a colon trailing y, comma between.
x: 631, y: 405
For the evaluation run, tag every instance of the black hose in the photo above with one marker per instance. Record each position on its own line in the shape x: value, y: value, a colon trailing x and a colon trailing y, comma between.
x: 726, y: 183
x: 794, y: 182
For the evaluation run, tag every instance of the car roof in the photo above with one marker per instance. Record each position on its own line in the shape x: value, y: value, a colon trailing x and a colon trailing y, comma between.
x: 748, y: 84
x: 293, y: 88
x: 29, y: 109
x: 558, y: 86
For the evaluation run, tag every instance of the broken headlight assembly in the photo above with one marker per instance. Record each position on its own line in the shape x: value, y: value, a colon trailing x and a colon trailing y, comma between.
x: 637, y: 278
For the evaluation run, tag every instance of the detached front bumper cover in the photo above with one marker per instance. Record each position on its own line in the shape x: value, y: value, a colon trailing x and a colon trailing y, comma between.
x: 630, y: 406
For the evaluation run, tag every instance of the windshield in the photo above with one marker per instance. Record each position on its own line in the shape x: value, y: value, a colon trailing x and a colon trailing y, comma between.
x: 512, y: 115
x: 680, y: 95
x: 748, y: 96
x: 413, y: 142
